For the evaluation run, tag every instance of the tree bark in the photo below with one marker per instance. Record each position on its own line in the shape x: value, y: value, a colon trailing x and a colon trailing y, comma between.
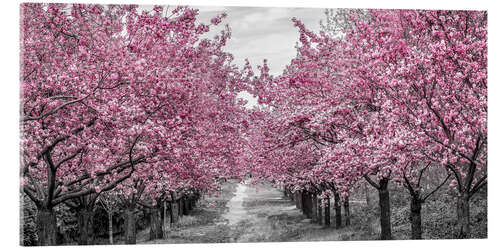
x: 463, y: 216
x: 181, y: 207
x: 327, y: 212
x: 367, y: 195
x: 110, y: 227
x: 130, y: 229
x: 338, y: 211
x: 416, y: 218
x: 385, y: 210
x: 174, y: 212
x: 46, y: 227
x: 306, y: 204
x: 190, y: 204
x: 320, y: 212
x: 298, y: 199
x: 347, y: 212
x: 166, y: 218
x: 156, y: 230
x: 186, y: 206
x: 314, y: 209
x: 85, y: 225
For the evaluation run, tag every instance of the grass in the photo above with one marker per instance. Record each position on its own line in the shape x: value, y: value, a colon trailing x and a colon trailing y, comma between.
x: 270, y: 217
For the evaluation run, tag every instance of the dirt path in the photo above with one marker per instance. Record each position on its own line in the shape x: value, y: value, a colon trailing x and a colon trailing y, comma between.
x: 236, y: 212
x: 245, y: 213
x: 260, y: 213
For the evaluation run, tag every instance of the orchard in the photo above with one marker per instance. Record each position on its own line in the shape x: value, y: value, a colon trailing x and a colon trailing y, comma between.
x: 126, y: 110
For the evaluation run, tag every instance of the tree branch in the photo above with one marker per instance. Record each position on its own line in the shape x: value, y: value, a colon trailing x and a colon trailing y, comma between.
x: 437, y: 188
x: 69, y: 158
x: 369, y: 180
x: 479, y: 184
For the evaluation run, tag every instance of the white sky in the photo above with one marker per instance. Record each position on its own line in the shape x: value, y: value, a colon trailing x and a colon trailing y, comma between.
x: 260, y: 33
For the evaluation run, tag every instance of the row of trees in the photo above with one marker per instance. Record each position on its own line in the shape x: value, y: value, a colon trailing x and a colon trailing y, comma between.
x: 136, y: 104
x: 382, y: 96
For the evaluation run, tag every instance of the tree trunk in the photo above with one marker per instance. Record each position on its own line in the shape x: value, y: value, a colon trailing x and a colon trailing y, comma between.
x: 416, y: 218
x: 314, y: 208
x: 327, y: 212
x: 367, y: 195
x: 320, y: 211
x: 193, y: 202
x: 186, y: 206
x: 174, y: 212
x: 190, y: 204
x: 110, y: 227
x: 463, y: 215
x: 166, y: 218
x: 306, y: 204
x: 338, y: 211
x: 156, y: 231
x: 85, y: 226
x: 347, y: 212
x: 385, y: 210
x: 46, y: 227
x: 130, y: 229
x: 298, y: 199
x: 181, y: 207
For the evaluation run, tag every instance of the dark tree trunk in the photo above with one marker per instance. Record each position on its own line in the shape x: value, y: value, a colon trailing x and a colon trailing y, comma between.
x: 85, y: 225
x: 298, y: 199
x: 347, y: 212
x: 166, y: 218
x: 307, y: 204
x: 190, y: 204
x: 416, y: 218
x: 156, y: 231
x: 463, y: 215
x: 174, y: 212
x: 320, y: 211
x: 130, y: 229
x: 110, y: 227
x: 181, y: 207
x: 338, y: 211
x: 385, y: 210
x: 186, y: 210
x: 193, y: 203
x: 314, y: 208
x: 303, y: 202
x: 327, y: 212
x: 46, y: 227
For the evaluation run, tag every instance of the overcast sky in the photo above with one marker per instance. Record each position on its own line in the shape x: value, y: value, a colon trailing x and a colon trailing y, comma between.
x: 260, y: 33
x: 263, y: 33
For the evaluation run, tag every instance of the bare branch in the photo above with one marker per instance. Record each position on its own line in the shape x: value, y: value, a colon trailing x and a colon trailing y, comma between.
x: 437, y: 188
x: 369, y: 180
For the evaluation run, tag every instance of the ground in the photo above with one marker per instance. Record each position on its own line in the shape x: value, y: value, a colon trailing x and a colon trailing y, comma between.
x: 246, y: 212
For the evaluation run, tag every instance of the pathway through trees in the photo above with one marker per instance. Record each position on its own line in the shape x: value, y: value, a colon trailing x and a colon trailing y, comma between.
x: 236, y: 210
x: 245, y: 213
x: 261, y: 213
